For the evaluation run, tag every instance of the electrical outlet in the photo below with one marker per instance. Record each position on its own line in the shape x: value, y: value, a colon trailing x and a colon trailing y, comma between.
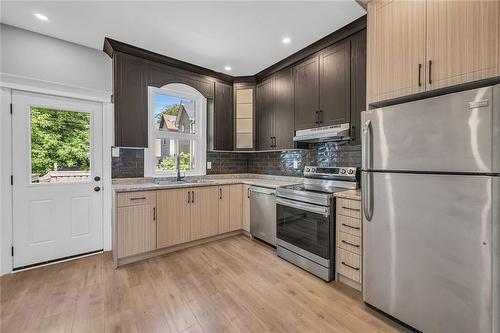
x: 115, y: 152
x: 209, y: 165
x: 295, y: 164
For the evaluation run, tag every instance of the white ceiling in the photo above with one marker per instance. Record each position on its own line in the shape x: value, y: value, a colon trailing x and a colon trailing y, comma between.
x: 244, y: 35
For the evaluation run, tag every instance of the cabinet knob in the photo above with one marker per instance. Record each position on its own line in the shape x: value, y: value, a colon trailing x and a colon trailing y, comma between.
x: 97, y: 188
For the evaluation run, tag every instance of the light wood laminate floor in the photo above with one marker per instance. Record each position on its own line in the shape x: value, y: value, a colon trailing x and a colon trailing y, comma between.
x: 231, y: 285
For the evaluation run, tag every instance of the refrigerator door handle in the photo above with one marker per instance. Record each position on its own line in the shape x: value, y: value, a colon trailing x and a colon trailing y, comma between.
x: 367, y: 197
x: 367, y: 142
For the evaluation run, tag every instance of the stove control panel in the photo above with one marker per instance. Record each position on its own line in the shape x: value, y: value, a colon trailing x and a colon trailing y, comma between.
x: 344, y: 173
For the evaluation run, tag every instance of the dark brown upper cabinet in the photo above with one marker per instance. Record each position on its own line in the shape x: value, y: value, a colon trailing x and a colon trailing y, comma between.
x: 223, y: 117
x: 131, y: 101
x: 265, y: 114
x: 306, y: 93
x: 283, y: 115
x: 322, y: 88
x: 275, y: 112
x: 334, y: 84
x: 358, y: 84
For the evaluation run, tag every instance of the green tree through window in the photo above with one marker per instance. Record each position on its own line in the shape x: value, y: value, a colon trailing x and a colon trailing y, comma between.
x: 60, y: 140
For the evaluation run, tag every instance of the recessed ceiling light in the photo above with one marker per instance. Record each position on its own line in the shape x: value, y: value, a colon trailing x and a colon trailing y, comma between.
x: 41, y: 17
x: 227, y: 68
x: 286, y: 40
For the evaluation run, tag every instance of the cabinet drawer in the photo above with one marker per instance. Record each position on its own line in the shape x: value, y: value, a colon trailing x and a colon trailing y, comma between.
x: 136, y: 198
x: 349, y: 265
x: 351, y: 208
x: 349, y: 242
x: 349, y: 225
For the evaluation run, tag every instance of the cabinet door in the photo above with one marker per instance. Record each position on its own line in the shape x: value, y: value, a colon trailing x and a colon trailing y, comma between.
x: 130, y: 101
x: 396, y: 49
x: 236, y: 210
x: 283, y: 110
x: 224, y: 209
x: 173, y: 220
x: 306, y: 93
x: 334, y: 87
x: 462, y: 41
x: 223, y: 117
x: 358, y: 84
x: 265, y: 114
x: 246, y: 208
x: 136, y: 229
x: 204, y: 212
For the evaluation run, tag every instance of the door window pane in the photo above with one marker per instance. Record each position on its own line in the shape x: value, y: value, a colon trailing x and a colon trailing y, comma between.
x: 174, y: 114
x: 60, y: 146
x: 166, y: 151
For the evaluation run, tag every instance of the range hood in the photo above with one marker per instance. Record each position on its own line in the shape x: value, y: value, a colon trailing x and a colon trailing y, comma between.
x: 323, y: 134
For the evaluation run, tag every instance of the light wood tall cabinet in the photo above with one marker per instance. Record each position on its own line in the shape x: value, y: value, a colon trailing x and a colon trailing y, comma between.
x: 396, y: 49
x: 174, y: 217
x: 462, y: 41
x: 136, y: 230
x: 416, y: 46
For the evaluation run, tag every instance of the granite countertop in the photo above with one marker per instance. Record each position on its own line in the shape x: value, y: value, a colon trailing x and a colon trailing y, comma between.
x: 349, y: 194
x: 149, y: 184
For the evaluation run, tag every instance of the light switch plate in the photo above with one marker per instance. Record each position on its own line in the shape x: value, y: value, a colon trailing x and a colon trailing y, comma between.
x: 209, y: 165
x: 115, y: 152
x: 295, y: 164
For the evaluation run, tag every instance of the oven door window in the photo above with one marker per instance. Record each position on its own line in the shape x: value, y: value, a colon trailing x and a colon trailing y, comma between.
x: 306, y: 230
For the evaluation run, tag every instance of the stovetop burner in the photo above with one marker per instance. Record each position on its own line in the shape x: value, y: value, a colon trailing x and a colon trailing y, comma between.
x: 320, y: 184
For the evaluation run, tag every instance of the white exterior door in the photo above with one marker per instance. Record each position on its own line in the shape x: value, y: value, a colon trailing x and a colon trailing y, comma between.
x: 57, y: 175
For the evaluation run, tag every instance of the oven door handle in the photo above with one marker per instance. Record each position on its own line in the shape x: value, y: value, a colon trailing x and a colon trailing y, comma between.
x: 325, y: 211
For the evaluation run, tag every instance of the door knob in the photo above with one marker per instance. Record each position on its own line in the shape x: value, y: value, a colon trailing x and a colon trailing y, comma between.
x: 97, y: 188
x: 97, y: 178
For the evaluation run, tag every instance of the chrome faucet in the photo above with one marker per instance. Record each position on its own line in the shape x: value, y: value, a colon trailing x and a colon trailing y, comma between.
x: 178, y: 167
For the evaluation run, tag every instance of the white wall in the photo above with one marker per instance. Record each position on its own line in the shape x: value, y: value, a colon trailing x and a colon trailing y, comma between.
x: 35, y: 62
x: 31, y: 55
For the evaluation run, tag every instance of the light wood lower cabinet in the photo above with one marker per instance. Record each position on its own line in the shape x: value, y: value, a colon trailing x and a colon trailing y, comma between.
x: 246, y: 208
x: 136, y: 223
x: 174, y: 217
x: 150, y: 220
x: 204, y: 212
x: 236, y: 207
x: 349, y: 242
x: 224, y: 209
x: 230, y: 208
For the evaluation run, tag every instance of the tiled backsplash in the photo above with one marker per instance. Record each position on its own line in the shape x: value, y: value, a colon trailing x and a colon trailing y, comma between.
x: 131, y: 161
x: 130, y: 164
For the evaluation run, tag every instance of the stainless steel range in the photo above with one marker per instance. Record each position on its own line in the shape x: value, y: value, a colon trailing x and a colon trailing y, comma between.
x: 306, y: 218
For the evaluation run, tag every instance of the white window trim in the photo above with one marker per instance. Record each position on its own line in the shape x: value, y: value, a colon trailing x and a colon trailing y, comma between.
x: 187, y: 92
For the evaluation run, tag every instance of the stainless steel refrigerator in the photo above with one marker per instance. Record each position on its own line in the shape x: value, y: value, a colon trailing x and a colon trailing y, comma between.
x: 431, y: 211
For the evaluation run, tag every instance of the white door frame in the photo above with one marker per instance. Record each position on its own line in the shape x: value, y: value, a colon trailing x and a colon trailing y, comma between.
x: 6, y: 236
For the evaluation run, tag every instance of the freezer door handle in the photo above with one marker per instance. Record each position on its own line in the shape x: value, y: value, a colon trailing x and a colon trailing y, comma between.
x: 367, y: 197
x: 367, y: 143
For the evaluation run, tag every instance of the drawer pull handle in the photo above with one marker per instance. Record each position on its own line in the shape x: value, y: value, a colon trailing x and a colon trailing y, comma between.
x: 356, y: 268
x: 349, y: 208
x: 350, y: 226
x: 346, y: 242
x: 141, y: 198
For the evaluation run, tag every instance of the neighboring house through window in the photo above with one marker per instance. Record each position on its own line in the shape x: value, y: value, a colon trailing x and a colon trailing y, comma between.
x: 177, y: 116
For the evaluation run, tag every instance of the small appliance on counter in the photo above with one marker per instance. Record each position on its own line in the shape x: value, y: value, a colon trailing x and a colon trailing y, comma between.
x: 306, y: 218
